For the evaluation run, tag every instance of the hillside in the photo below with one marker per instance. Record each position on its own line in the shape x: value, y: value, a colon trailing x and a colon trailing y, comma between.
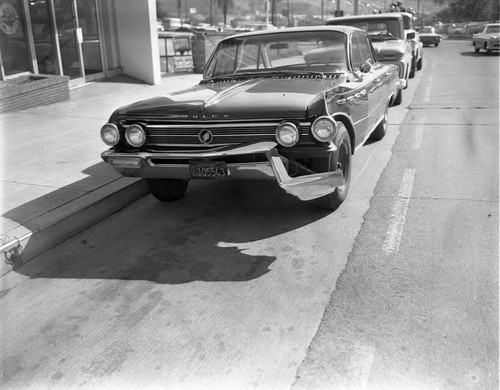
x: 297, y: 7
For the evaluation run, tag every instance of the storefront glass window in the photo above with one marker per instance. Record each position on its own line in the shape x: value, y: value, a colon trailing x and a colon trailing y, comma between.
x: 13, y: 39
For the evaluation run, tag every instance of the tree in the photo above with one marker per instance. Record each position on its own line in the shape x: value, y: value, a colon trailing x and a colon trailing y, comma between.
x: 225, y: 5
x: 162, y: 10
x: 472, y: 9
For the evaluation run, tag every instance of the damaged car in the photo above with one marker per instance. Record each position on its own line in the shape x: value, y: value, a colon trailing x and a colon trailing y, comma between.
x: 290, y: 106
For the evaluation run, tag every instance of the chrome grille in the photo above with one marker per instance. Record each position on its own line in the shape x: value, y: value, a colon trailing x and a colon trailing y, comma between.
x: 223, y: 134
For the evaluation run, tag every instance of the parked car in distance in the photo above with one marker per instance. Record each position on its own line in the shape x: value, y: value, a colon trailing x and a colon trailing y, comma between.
x: 487, y: 38
x: 428, y: 36
x: 466, y: 29
x: 289, y: 105
x: 386, y: 32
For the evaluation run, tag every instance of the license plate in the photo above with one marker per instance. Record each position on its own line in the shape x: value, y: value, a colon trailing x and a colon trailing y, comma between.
x: 207, y: 169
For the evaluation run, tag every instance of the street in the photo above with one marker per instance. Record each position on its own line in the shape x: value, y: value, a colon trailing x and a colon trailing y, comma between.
x: 239, y: 286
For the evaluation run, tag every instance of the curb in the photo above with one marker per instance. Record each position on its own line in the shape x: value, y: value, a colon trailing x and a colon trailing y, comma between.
x: 58, y: 225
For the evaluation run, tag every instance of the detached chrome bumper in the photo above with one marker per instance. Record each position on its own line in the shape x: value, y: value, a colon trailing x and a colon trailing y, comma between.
x: 158, y: 165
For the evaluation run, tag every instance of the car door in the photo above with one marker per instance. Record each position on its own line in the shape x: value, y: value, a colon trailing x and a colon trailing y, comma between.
x: 367, y: 92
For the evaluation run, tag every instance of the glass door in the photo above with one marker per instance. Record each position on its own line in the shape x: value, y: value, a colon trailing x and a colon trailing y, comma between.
x: 91, y: 43
x: 70, y: 38
x: 79, y: 39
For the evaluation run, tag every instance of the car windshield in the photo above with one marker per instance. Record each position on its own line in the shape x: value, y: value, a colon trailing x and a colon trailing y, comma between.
x: 378, y: 30
x: 288, y: 52
x: 493, y: 29
x: 426, y: 30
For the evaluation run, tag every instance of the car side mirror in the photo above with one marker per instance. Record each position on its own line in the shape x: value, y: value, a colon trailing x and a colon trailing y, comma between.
x: 410, y: 35
x: 365, y: 67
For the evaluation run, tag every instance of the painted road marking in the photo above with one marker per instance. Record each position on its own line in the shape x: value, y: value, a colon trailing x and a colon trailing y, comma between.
x: 398, y: 216
x: 427, y: 94
x: 419, y: 133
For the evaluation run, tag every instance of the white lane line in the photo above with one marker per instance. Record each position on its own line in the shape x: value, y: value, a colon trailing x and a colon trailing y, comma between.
x: 398, y: 216
x: 419, y: 133
x: 427, y: 94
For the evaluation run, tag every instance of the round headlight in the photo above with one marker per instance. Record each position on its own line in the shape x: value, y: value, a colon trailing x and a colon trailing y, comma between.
x: 324, y: 129
x: 135, y: 135
x: 287, y: 134
x: 110, y: 134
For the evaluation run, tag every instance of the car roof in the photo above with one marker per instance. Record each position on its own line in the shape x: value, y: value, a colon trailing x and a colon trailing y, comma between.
x: 342, y: 29
x: 391, y: 15
x: 491, y: 24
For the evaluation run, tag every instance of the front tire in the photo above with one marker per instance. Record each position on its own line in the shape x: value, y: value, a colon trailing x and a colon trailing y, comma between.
x: 341, y: 159
x: 398, y: 99
x: 420, y: 63
x: 413, y: 67
x: 167, y: 190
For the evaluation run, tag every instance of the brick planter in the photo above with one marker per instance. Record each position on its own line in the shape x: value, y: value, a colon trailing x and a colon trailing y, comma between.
x: 31, y: 90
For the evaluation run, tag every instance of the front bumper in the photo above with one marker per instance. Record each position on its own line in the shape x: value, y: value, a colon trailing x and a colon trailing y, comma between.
x: 431, y: 41
x: 160, y: 166
x: 492, y: 45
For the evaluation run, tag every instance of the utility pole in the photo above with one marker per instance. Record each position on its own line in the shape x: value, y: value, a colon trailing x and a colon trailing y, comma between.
x: 267, y: 13
x: 356, y: 12
x: 211, y: 12
x: 288, y: 11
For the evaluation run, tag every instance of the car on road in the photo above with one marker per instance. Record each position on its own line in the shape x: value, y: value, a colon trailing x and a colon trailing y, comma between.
x: 466, y: 29
x: 428, y: 36
x: 289, y: 105
x: 386, y: 32
x: 487, y: 39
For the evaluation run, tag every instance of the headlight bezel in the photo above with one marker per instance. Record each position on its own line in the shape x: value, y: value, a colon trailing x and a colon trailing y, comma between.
x: 322, y: 120
x: 140, y: 131
x: 114, y: 131
x: 293, y: 131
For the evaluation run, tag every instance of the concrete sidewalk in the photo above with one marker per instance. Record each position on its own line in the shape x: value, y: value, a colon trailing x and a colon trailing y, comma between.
x: 54, y: 183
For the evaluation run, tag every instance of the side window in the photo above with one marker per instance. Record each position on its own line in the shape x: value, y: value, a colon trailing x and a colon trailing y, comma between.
x: 365, y: 49
x: 356, y: 54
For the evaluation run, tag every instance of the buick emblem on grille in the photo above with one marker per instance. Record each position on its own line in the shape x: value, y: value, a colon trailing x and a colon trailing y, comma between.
x: 205, y: 136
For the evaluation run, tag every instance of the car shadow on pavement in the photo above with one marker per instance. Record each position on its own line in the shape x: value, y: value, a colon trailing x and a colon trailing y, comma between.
x: 226, y: 231
x: 482, y: 53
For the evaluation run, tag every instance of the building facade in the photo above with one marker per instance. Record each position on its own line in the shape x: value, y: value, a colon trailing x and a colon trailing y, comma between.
x: 83, y: 39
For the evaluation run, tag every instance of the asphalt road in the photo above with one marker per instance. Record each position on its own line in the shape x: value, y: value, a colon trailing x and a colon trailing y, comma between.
x: 239, y: 286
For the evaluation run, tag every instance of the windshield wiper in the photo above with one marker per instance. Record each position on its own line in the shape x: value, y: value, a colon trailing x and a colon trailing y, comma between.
x: 268, y: 73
